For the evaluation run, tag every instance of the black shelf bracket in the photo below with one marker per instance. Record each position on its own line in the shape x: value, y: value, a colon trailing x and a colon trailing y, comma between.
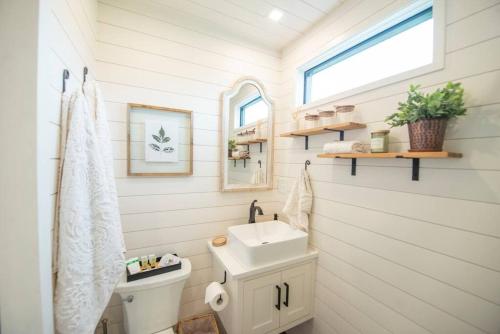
x: 244, y: 162
x: 353, y: 164
x: 306, y: 140
x: 415, y: 169
x: 341, y: 133
x: 260, y: 147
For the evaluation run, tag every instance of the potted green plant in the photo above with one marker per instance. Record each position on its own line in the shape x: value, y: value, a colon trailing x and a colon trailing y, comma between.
x: 231, y: 145
x: 427, y: 115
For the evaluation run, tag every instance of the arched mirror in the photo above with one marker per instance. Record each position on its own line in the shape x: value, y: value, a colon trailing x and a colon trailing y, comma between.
x: 247, y: 137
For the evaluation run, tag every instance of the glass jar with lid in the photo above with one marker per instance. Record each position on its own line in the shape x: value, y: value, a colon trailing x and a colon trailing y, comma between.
x: 380, y: 141
x: 326, y: 117
x: 311, y: 121
x: 344, y: 113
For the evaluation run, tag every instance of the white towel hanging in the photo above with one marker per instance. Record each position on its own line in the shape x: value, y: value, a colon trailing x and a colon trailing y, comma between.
x: 90, y: 256
x: 299, y: 203
x: 65, y: 105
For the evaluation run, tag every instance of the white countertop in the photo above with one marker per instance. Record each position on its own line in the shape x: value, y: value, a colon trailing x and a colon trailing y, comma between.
x: 239, y: 270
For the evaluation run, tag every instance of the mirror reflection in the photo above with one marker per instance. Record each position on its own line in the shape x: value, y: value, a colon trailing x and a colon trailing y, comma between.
x: 247, y: 115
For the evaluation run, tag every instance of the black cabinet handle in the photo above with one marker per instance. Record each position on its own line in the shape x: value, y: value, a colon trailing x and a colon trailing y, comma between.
x: 287, y: 291
x: 278, y: 306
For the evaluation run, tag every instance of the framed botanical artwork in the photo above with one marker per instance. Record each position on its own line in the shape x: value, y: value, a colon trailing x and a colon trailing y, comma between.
x: 159, y: 141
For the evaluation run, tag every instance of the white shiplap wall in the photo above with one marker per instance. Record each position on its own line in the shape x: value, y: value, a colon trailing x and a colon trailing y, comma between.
x: 144, y: 56
x: 72, y: 46
x: 398, y: 256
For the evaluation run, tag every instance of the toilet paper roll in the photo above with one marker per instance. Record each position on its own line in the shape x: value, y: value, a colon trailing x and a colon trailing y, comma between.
x: 216, y: 296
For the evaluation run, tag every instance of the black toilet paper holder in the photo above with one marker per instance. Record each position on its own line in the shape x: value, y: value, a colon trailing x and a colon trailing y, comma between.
x: 225, y: 276
x: 223, y: 282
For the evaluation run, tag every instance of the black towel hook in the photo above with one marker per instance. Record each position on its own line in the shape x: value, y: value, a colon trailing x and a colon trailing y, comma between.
x: 307, y: 163
x: 260, y: 163
x: 85, y: 72
x: 65, y: 77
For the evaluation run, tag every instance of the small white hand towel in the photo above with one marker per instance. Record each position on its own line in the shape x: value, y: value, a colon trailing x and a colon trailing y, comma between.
x: 258, y: 177
x: 351, y: 146
x: 299, y: 203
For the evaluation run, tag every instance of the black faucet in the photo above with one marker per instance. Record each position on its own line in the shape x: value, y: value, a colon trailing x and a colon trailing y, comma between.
x: 254, y: 208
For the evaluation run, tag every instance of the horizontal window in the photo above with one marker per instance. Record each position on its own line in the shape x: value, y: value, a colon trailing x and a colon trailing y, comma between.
x: 252, y: 111
x: 402, y: 47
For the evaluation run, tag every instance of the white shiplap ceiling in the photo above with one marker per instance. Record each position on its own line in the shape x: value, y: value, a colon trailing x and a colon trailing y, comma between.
x: 247, y: 20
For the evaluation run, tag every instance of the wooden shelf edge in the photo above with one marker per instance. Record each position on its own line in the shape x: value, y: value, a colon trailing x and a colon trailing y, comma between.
x: 389, y: 155
x: 254, y: 141
x: 324, y: 129
x: 238, y: 158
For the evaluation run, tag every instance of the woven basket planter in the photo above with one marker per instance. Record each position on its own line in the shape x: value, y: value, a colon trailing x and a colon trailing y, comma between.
x: 427, y: 134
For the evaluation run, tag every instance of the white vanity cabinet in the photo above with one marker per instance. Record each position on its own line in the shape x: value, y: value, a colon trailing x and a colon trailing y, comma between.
x: 259, y: 301
x: 276, y: 300
x: 268, y: 299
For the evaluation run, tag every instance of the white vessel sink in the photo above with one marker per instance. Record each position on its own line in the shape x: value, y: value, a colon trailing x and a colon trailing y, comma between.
x: 262, y: 243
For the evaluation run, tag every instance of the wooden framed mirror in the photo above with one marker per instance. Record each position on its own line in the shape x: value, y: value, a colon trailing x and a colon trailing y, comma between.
x: 247, y: 137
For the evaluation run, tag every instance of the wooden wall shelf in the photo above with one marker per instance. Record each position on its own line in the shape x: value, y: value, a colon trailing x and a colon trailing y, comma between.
x: 415, y: 156
x: 252, y: 141
x: 405, y: 155
x: 247, y: 143
x: 340, y: 128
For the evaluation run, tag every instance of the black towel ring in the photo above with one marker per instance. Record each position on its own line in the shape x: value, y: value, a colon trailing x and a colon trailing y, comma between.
x: 307, y: 163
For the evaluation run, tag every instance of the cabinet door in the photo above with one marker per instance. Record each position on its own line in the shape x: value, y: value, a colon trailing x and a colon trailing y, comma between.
x: 260, y: 297
x: 297, y: 284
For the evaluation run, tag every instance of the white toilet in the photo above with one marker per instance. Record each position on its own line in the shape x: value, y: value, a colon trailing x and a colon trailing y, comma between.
x: 151, y: 305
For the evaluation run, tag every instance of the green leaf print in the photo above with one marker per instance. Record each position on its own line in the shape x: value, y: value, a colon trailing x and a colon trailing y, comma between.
x: 154, y: 147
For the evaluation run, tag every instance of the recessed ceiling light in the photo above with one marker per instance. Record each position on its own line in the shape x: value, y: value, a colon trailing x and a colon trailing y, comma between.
x: 275, y: 15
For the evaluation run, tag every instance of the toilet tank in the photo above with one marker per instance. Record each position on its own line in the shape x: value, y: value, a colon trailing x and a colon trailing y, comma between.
x: 152, y: 304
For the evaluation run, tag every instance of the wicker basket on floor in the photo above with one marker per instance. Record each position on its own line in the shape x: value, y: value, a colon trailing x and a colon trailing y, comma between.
x: 199, y: 324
